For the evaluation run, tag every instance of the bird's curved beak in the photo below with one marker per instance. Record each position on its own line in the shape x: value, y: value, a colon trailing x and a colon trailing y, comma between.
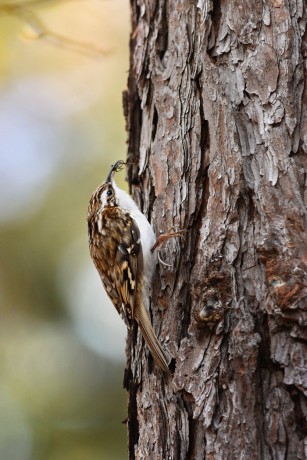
x: 118, y: 166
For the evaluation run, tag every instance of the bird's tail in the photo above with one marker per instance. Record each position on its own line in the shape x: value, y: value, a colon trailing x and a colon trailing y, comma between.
x: 150, y: 338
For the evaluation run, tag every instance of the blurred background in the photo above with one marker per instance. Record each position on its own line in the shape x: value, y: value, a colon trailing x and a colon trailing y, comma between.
x: 63, y: 68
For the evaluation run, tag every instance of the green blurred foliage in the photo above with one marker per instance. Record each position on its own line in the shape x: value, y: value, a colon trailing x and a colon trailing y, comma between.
x: 62, y: 112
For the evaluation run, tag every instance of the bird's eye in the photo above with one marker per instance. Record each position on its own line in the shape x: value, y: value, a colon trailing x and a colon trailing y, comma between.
x: 109, y: 192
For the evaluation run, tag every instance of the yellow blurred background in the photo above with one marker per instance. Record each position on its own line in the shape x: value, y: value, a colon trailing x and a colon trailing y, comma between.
x: 63, y: 67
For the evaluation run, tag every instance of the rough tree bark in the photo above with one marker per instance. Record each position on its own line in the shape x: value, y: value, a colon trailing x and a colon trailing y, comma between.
x: 216, y: 112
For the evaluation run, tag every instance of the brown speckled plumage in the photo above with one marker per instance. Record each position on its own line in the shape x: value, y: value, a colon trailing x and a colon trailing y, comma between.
x: 116, y: 250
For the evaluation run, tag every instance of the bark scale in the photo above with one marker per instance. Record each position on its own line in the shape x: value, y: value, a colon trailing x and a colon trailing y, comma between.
x: 216, y: 113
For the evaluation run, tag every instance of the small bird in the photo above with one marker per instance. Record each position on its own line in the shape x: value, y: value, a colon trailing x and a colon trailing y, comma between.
x: 121, y: 241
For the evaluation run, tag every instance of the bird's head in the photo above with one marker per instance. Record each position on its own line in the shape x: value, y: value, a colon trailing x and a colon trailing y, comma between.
x: 105, y: 195
x: 107, y: 192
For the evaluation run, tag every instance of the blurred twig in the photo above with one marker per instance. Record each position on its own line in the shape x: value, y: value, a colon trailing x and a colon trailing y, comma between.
x: 25, y: 11
x: 27, y: 3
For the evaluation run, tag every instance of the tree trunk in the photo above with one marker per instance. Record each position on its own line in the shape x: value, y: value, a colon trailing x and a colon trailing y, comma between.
x: 216, y: 112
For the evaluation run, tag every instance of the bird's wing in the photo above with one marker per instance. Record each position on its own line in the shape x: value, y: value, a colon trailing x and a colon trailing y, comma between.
x: 120, y: 266
x: 128, y: 267
x: 117, y: 253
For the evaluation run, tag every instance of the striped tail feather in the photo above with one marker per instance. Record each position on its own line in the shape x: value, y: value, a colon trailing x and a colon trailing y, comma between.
x: 150, y: 338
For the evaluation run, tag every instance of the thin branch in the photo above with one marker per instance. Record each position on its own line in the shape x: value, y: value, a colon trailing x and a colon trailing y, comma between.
x: 22, y: 10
